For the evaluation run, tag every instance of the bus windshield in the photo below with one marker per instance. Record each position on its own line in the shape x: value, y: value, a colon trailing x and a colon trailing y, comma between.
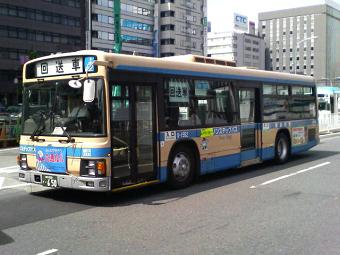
x: 54, y: 108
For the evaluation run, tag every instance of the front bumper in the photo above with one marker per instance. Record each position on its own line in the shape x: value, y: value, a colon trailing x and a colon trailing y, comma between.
x: 68, y: 181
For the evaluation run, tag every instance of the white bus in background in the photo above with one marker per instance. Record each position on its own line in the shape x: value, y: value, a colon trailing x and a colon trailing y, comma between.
x: 328, y: 98
x: 329, y: 107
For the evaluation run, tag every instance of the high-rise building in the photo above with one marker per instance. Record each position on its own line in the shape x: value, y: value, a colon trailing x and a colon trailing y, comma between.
x: 243, y: 48
x: 137, y: 26
x: 32, y: 28
x: 303, y: 40
x: 183, y: 27
x: 149, y: 28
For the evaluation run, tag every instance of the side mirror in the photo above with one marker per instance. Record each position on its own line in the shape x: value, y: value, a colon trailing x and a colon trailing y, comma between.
x: 89, y: 91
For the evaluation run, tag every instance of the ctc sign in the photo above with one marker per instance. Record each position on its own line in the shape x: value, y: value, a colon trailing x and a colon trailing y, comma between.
x: 241, y: 19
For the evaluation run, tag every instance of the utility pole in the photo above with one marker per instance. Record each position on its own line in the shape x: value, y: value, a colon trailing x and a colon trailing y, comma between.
x: 118, y: 36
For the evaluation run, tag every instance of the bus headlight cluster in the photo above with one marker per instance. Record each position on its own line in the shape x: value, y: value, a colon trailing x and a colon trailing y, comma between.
x: 93, y: 168
x: 22, y: 162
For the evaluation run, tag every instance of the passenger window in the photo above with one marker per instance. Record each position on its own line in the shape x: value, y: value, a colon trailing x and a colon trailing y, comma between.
x: 282, y: 90
x: 247, y: 105
x: 198, y: 103
x: 269, y: 90
x: 178, y: 111
x: 275, y: 103
x: 302, y: 103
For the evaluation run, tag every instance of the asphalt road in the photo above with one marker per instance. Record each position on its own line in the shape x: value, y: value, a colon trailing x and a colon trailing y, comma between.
x: 264, y: 209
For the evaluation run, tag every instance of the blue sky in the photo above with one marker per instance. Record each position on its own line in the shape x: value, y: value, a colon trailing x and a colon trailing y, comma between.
x: 221, y: 12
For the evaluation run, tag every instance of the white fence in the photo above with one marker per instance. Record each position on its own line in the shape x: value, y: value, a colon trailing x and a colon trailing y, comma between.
x: 328, y: 121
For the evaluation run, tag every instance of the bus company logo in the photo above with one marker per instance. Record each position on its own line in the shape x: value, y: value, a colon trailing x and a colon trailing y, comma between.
x: 265, y: 126
x: 44, y: 68
x: 170, y: 135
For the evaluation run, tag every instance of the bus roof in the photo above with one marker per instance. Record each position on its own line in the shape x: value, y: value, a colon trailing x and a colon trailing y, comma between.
x: 185, y: 66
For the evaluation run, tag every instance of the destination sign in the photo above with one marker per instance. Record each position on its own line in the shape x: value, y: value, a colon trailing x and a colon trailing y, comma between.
x: 64, y: 66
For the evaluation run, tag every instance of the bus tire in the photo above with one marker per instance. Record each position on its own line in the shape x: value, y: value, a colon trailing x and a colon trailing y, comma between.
x: 181, y: 167
x: 282, y: 148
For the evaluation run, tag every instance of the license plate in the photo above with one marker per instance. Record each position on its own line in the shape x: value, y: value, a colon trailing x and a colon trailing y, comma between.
x: 50, y: 181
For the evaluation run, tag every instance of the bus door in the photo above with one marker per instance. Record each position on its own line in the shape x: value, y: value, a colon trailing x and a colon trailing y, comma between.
x: 133, y: 133
x: 249, y: 101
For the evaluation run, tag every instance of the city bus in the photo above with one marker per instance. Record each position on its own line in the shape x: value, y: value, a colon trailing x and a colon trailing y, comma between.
x: 100, y: 121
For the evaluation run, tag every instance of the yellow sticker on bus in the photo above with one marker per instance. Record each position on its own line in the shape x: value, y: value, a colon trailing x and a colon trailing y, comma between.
x: 207, y: 132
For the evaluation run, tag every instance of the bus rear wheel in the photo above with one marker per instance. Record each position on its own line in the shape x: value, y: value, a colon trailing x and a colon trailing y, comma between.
x: 282, y: 148
x: 181, y: 167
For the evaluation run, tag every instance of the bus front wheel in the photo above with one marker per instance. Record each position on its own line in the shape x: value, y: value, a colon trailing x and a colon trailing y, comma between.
x: 282, y: 148
x: 181, y: 167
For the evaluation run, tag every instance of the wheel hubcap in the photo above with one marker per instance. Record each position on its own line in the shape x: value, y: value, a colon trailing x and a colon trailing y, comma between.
x: 181, y: 166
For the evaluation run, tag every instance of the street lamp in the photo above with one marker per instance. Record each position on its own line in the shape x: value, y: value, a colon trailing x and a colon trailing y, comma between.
x: 298, y: 45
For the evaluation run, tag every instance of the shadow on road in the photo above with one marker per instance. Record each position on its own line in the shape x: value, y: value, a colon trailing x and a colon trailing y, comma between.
x: 150, y: 195
x: 5, y: 239
x: 25, y: 209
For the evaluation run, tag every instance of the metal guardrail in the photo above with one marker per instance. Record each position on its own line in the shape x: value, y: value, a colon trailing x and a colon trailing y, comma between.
x: 328, y: 121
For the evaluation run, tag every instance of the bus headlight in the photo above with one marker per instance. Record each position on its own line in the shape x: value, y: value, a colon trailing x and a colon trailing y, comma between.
x: 92, y: 168
x: 22, y: 162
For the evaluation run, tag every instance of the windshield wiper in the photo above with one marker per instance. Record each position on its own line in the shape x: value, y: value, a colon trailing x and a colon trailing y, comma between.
x: 69, y: 138
x: 40, y: 128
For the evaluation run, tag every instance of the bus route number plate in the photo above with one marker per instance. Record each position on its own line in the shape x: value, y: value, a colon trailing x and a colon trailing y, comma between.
x: 50, y: 181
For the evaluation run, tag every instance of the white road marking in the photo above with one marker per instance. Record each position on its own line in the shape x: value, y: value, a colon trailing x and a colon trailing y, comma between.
x: 9, y: 169
x: 2, y: 180
x: 51, y: 251
x: 15, y: 186
x: 9, y: 149
x: 290, y: 175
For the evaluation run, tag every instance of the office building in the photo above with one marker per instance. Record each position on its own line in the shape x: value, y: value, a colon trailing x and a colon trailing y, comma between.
x: 243, y: 48
x: 303, y: 40
x: 149, y: 28
x: 33, y: 28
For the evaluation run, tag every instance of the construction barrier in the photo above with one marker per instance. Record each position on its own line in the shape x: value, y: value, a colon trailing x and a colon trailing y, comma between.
x: 10, y: 129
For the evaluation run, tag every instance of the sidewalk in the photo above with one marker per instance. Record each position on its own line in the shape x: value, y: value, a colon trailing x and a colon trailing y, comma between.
x: 329, y: 131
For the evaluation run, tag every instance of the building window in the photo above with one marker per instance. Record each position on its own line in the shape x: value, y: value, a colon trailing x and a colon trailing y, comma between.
x: 167, y: 27
x: 136, y: 10
x: 32, y: 14
x: 136, y: 40
x: 168, y: 41
x: 167, y: 54
x: 167, y: 14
